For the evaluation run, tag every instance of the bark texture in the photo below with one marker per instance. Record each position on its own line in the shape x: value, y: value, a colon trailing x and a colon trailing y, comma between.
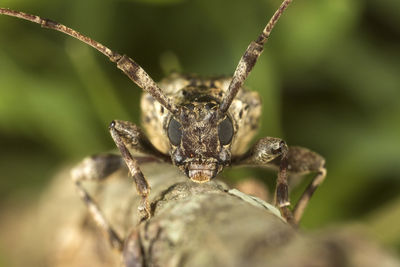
x: 192, y: 225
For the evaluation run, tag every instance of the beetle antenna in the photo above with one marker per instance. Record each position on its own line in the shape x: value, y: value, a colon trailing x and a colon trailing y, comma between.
x: 124, y: 63
x: 249, y: 59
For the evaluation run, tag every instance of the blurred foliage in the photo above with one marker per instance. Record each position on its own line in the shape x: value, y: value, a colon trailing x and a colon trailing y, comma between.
x: 329, y: 79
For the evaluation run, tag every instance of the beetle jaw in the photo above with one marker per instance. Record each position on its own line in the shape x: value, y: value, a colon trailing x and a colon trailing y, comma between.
x: 201, y: 173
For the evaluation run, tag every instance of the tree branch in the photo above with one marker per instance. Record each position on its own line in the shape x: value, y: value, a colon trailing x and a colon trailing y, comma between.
x: 192, y: 225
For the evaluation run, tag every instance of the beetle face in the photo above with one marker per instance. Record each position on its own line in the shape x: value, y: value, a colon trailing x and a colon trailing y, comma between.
x: 200, y: 143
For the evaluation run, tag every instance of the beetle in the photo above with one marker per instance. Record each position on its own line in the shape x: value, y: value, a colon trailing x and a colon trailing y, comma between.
x: 201, y: 125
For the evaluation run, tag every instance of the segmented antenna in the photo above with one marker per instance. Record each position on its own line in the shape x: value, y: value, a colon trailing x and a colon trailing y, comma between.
x: 249, y: 59
x: 124, y: 63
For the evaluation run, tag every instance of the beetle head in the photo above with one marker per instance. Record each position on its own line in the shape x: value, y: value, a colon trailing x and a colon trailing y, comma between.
x: 200, y: 140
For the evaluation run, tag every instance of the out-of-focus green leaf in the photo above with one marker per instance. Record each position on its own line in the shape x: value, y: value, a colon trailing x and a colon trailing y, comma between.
x: 159, y: 2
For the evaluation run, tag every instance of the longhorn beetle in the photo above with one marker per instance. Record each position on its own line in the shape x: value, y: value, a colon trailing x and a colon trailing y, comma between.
x: 200, y: 125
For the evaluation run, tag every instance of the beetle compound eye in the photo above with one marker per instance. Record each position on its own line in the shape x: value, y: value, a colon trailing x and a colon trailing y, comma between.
x: 174, y: 132
x: 225, y: 131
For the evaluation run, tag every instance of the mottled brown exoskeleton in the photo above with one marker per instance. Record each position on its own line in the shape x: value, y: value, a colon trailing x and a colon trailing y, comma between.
x: 200, y: 125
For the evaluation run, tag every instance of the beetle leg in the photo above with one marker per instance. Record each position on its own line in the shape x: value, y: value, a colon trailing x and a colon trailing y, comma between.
x: 127, y: 135
x: 263, y: 152
x: 303, y: 161
x: 133, y: 138
x: 274, y: 153
x: 98, y: 168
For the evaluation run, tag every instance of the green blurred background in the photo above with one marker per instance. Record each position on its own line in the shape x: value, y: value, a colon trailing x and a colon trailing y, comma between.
x: 329, y: 79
